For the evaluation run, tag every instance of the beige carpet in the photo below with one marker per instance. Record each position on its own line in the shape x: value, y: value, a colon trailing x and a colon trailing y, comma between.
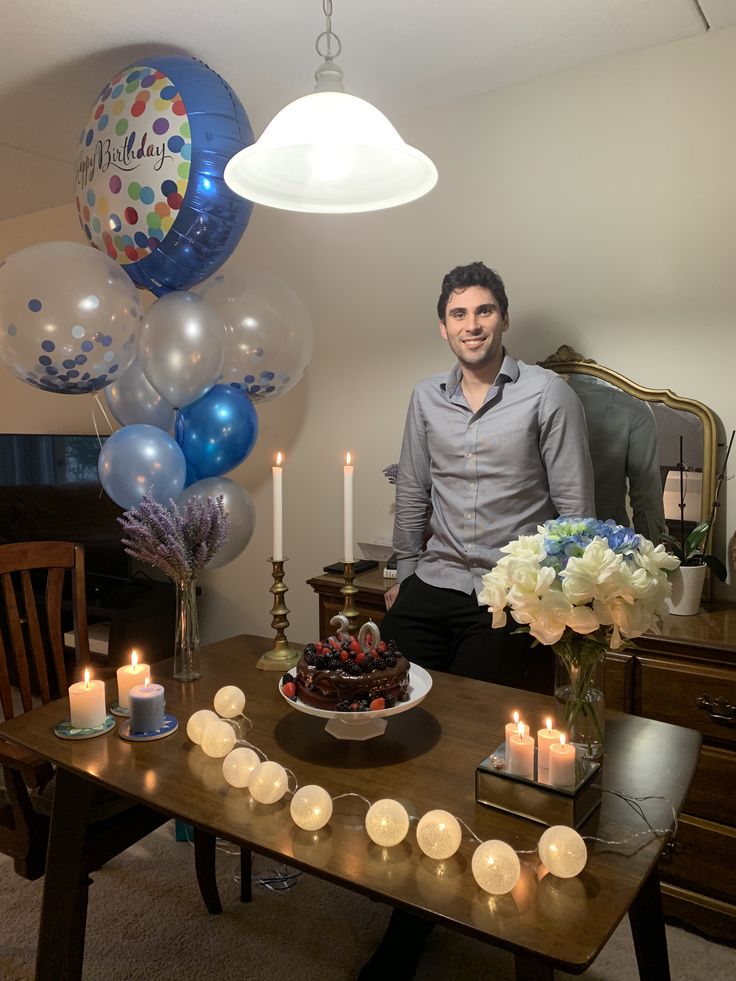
x: 147, y: 923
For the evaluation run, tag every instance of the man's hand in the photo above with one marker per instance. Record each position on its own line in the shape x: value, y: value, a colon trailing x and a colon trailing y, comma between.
x: 389, y: 597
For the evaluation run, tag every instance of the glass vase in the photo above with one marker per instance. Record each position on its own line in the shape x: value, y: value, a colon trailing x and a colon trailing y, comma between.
x: 186, y: 644
x: 579, y: 686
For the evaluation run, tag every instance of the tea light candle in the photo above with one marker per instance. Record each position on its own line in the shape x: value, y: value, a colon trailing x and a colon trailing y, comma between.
x: 146, y: 707
x: 87, y: 703
x: 520, y: 753
x: 348, y: 509
x: 546, y: 738
x: 562, y: 763
x: 129, y: 676
x: 512, y: 728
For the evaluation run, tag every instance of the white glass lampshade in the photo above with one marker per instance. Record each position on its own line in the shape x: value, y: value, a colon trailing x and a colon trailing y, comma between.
x: 330, y: 152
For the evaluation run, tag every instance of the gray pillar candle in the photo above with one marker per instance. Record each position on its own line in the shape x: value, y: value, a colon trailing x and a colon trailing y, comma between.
x: 146, y: 708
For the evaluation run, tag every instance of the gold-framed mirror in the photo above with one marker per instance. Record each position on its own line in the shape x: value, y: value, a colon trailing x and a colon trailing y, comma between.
x: 684, y: 441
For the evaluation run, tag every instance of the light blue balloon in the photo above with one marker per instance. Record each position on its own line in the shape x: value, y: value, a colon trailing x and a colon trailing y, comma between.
x: 133, y: 400
x: 216, y: 433
x: 141, y: 458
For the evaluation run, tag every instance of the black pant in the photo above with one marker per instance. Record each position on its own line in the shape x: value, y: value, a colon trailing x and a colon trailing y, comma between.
x: 445, y: 630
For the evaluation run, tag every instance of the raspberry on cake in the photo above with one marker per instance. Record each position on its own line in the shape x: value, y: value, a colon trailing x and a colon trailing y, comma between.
x: 339, y: 675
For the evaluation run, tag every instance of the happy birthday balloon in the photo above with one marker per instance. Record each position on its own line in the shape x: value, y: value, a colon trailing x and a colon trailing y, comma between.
x: 69, y: 317
x: 237, y: 504
x: 216, y: 433
x: 181, y: 347
x: 270, y: 331
x: 132, y: 399
x: 136, y: 459
x: 150, y: 187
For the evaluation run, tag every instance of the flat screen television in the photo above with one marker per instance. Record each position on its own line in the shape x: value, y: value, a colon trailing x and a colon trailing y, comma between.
x: 49, y: 490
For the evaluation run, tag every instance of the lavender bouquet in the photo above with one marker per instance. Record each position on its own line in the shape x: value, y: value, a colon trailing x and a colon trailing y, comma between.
x: 180, y: 542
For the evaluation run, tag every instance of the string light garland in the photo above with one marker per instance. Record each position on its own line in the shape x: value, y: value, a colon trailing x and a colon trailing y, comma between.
x: 495, y: 865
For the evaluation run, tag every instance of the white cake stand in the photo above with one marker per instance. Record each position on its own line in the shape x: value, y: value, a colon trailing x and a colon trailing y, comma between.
x: 366, y: 725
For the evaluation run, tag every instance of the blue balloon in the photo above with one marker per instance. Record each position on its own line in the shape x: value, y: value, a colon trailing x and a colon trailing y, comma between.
x: 216, y: 433
x: 141, y: 458
x: 150, y: 187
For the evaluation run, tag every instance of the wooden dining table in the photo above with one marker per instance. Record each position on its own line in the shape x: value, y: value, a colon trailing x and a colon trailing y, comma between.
x: 426, y: 759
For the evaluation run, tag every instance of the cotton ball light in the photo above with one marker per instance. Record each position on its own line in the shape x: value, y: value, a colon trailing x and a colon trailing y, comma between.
x: 197, y: 723
x: 439, y: 834
x: 387, y: 822
x: 311, y: 808
x: 563, y: 851
x: 218, y: 738
x: 238, y: 766
x: 268, y: 782
x: 495, y: 867
x: 229, y: 701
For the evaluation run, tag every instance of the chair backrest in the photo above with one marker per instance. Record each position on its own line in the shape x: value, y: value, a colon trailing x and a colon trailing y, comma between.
x: 32, y: 597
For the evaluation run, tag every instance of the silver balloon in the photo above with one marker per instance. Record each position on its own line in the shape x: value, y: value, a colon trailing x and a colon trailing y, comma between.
x: 69, y: 317
x: 270, y: 330
x: 139, y: 458
x: 181, y: 347
x: 133, y: 399
x: 237, y: 503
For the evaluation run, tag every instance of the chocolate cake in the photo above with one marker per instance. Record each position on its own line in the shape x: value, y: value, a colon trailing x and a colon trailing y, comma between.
x: 341, y: 674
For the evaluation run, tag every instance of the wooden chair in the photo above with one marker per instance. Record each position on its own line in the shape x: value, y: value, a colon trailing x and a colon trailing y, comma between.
x: 33, y: 667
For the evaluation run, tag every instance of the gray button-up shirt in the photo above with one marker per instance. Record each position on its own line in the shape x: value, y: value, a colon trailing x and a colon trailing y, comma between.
x: 485, y: 478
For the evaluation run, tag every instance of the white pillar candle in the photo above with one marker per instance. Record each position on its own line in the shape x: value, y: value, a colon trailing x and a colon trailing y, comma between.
x: 278, y: 520
x: 512, y: 729
x: 146, y: 707
x: 87, y: 703
x: 129, y: 676
x: 546, y: 738
x: 520, y: 753
x: 562, y: 763
x: 348, y: 509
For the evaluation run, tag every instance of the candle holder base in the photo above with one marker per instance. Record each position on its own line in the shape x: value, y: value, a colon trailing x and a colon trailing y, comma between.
x: 65, y: 730
x: 280, y: 658
x: 117, y: 709
x: 169, y: 725
x: 348, y: 590
x: 536, y: 798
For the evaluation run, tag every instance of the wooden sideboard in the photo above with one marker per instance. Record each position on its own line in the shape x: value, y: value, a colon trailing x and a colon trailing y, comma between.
x: 686, y: 676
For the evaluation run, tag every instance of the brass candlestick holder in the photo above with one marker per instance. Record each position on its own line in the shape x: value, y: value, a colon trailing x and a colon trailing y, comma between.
x: 348, y: 590
x: 281, y: 657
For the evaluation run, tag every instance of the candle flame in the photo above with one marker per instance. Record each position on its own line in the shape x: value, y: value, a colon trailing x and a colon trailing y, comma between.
x: 562, y: 739
x: 148, y: 681
x: 86, y: 677
x: 549, y: 724
x: 516, y: 718
x: 522, y: 727
x: 348, y: 459
x: 134, y: 659
x: 279, y: 458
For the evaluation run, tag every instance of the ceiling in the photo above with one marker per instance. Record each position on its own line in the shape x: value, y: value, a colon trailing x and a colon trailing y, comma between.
x: 403, y: 56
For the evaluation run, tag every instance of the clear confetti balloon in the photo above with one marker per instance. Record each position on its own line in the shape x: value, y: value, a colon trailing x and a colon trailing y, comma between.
x: 270, y: 331
x: 69, y: 317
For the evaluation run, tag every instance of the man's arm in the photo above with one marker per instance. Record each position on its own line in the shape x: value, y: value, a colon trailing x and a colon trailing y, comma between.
x: 563, y: 444
x: 413, y: 492
x: 645, y: 481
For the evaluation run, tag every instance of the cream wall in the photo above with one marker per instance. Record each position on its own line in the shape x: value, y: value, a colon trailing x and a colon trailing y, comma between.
x: 606, y: 198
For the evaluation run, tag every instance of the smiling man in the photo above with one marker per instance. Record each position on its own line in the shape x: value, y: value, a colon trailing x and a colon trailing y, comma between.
x: 490, y: 450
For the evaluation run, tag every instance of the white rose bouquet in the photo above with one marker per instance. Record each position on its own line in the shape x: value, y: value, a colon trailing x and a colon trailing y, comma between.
x: 581, y: 586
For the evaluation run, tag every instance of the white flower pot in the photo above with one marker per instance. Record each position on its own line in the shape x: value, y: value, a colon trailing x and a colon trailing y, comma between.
x: 687, y: 588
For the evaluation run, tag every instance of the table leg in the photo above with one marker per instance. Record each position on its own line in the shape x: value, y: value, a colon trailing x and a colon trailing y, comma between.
x: 66, y: 884
x: 528, y: 968
x: 205, y: 855
x: 647, y: 928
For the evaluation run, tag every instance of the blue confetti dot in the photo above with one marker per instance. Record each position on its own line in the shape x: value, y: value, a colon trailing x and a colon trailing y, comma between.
x: 68, y: 362
x: 48, y: 346
x: 80, y: 359
x: 175, y: 143
x: 45, y: 360
x: 34, y: 305
x: 12, y: 330
x: 87, y: 345
x: 106, y: 341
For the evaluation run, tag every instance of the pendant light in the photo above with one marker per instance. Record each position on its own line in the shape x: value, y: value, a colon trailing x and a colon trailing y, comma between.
x: 330, y: 152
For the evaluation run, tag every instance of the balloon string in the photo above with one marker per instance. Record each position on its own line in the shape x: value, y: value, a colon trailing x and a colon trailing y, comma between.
x: 107, y: 418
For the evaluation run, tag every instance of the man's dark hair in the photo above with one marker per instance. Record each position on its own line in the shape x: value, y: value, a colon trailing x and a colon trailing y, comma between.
x: 475, y: 274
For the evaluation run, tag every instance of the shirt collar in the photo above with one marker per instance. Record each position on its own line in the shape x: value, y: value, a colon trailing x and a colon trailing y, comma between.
x: 509, y: 372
